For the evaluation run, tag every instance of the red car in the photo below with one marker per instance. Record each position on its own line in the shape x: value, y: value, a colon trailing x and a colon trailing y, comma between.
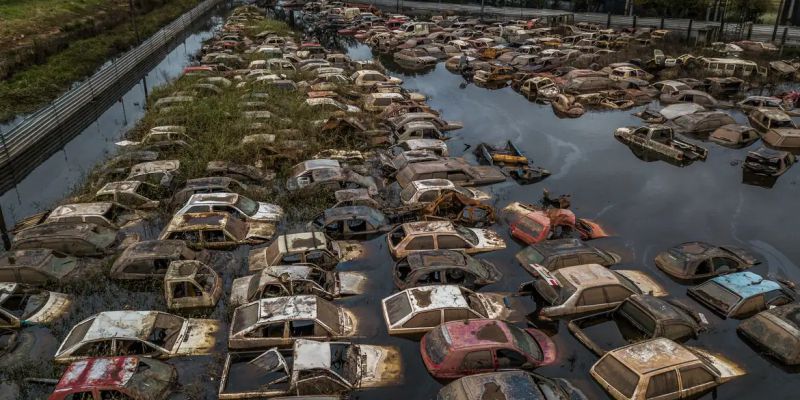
x: 459, y: 348
x: 533, y: 225
x: 134, y: 378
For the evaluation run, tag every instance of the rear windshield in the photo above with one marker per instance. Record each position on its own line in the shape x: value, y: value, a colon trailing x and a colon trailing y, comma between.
x: 530, y: 227
x: 245, y: 317
x: 525, y: 342
x: 617, y: 375
x: 328, y: 314
x: 436, y: 346
x: 717, y: 296
x: 638, y: 318
x: 529, y: 255
x: 398, y: 307
x: 555, y: 295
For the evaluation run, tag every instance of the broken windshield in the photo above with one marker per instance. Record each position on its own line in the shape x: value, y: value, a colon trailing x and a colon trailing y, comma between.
x: 345, y: 361
x: 468, y: 234
x: 717, y: 296
x: 247, y: 206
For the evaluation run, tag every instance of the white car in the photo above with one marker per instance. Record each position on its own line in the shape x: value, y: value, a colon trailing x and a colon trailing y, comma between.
x: 232, y: 203
x: 428, y: 190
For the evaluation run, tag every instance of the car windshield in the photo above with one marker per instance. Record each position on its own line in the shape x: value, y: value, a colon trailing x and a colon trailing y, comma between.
x: 555, y: 294
x: 525, y: 342
x: 717, y: 296
x: 345, y: 361
x: 529, y: 255
x: 436, y: 346
x: 328, y: 314
x: 475, y: 304
x: 398, y: 307
x: 617, y: 375
x: 675, y: 260
x: 530, y: 227
x: 637, y: 317
x: 245, y: 317
x: 627, y: 282
x: 407, y: 193
x: 468, y: 234
x: 247, y: 206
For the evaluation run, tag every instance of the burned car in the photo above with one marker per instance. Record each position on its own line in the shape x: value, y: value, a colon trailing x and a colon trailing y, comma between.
x: 458, y: 348
x: 427, y: 190
x: 310, y: 369
x: 297, y: 279
x: 741, y: 294
x: 456, y: 170
x: 351, y: 222
x: 734, y: 136
x: 582, y: 289
x: 561, y: 253
x: 40, y: 267
x: 23, y: 305
x: 74, y: 239
x: 649, y: 370
x: 132, y: 194
x: 299, y: 248
x: 415, y: 311
x: 442, y: 235
x: 768, y: 162
x: 511, y: 384
x: 776, y: 332
x: 234, y: 204
x: 639, y: 317
x: 279, y: 321
x: 152, y: 333
x: 661, y: 140
x: 701, y: 122
x: 700, y: 260
x: 443, y: 267
x: 151, y: 259
x: 215, y: 184
x: 123, y: 377
x: 190, y: 284
x: 216, y: 230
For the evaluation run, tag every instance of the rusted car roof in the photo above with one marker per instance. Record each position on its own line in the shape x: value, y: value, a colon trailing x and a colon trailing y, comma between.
x: 122, y: 186
x: 588, y: 275
x: 121, y: 324
x: 436, y: 297
x: 287, y: 308
x: 651, y: 355
x: 102, y: 372
x: 301, y: 241
x: 477, y: 333
x: 98, y: 208
x: 429, y: 227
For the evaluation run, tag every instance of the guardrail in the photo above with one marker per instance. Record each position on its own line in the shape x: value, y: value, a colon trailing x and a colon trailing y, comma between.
x: 61, y: 114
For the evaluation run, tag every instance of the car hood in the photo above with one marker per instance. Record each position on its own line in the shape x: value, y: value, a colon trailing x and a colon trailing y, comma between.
x: 742, y: 254
x: 380, y: 366
x: 507, y: 306
x: 268, y: 212
x: 488, y: 239
x: 260, y: 230
x: 349, y: 283
x: 239, y: 289
x: 347, y: 249
x: 57, y: 305
x: 727, y: 369
x: 644, y: 282
x: 479, y: 194
x: 198, y: 337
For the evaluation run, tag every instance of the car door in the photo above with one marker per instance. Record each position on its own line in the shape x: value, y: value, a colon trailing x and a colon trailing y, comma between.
x: 663, y: 386
x: 696, y: 379
x: 423, y: 321
x: 511, y: 359
x: 476, y: 362
x: 590, y: 299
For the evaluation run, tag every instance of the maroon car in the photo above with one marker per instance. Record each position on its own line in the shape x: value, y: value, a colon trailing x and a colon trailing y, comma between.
x: 460, y: 348
x: 100, y: 378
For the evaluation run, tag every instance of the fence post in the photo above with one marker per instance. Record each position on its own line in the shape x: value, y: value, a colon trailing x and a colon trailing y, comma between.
x: 4, y: 231
x: 608, y: 21
x: 662, y: 23
x: 689, y: 31
x: 749, y: 31
x: 783, y: 37
x: 634, y: 22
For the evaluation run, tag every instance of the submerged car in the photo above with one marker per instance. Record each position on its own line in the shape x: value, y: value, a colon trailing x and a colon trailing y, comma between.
x: 190, y: 285
x: 310, y: 369
x: 307, y: 247
x: 650, y: 370
x: 734, y: 136
x: 279, y: 321
x: 152, y: 333
x: 532, y: 224
x: 427, y: 190
x: 23, y: 305
x: 234, y: 204
x: 74, y: 239
x: 442, y: 235
x: 350, y: 222
x: 297, y: 279
x: 561, y: 253
x: 151, y: 259
x: 124, y: 377
x: 444, y: 267
x: 582, y: 289
x: 776, y: 128
x: 741, y: 294
x: 700, y: 260
x: 216, y: 230
x: 458, y: 348
x: 775, y: 331
x: 40, y: 267
x: 510, y: 385
x: 639, y: 317
x: 768, y: 162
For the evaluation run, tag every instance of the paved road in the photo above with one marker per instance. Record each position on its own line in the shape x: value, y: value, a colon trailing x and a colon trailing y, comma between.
x: 760, y: 32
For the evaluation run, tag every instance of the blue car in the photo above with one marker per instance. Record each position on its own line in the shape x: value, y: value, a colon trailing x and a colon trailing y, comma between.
x: 741, y: 295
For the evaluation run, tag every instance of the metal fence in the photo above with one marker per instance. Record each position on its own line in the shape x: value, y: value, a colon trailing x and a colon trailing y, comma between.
x: 35, y: 129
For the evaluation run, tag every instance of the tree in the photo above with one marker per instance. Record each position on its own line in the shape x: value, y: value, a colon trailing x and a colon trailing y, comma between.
x: 673, y: 8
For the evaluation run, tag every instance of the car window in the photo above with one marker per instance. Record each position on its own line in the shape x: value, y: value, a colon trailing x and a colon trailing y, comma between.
x: 451, y: 242
x: 357, y: 225
x: 695, y: 376
x: 420, y: 243
x: 334, y: 228
x: 424, y: 319
x: 617, y: 375
x: 751, y: 306
x: 456, y: 314
x: 477, y: 360
x: 662, y: 384
x: 428, y: 196
x: 397, y: 307
x: 214, y: 236
x: 592, y: 296
x: 301, y: 327
x: 291, y: 258
x: 80, y: 396
x: 508, y: 358
x: 724, y: 265
x: 271, y: 330
x: 616, y: 293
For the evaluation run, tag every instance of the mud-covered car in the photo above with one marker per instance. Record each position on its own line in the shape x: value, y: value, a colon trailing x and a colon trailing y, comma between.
x: 216, y: 230
x: 74, y: 239
x: 22, y: 305
x: 148, y: 333
x: 582, y: 289
x: 300, y: 248
x: 510, y: 385
x: 297, y: 279
x: 310, y: 368
x: 456, y: 170
x: 279, y: 321
x: 160, y: 172
x: 661, y: 140
x: 327, y: 173
x: 235, y: 204
x: 458, y: 348
x: 561, y: 253
x: 776, y: 332
x: 132, y: 194
x: 40, y: 267
x: 427, y: 190
x: 776, y: 127
x: 741, y: 294
x: 191, y: 284
x: 459, y: 209
x: 106, y: 214
x: 532, y: 224
x: 734, y: 136
x: 215, y: 184
x: 350, y: 222
x: 651, y: 370
x: 151, y: 258
x: 639, y: 317
x: 768, y: 162
x: 701, y: 123
x: 441, y: 235
x: 418, y: 310
x: 123, y: 377
x: 700, y: 260
x: 248, y: 174
x: 443, y: 267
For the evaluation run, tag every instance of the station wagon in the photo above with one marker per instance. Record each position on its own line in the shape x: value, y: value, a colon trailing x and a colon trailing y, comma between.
x: 777, y: 129
x: 23, y: 305
x: 427, y: 190
x: 741, y: 294
x: 216, y: 230
x: 776, y: 332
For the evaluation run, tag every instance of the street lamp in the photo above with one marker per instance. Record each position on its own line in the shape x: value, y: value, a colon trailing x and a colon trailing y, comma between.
x: 133, y: 21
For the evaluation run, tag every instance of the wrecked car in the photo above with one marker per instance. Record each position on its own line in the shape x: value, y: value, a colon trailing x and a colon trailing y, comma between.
x: 216, y: 230
x: 131, y: 194
x: 639, y: 317
x: 458, y: 348
x: 416, y: 236
x: 777, y: 129
x: 540, y: 87
x: 74, y: 239
x: 443, y: 267
x: 190, y: 284
x: 326, y: 173
x: 755, y: 102
x: 279, y: 321
x: 152, y: 333
x: 649, y: 370
x: 768, y: 162
x: 243, y: 173
x: 215, y: 184
x: 561, y: 253
x: 312, y: 368
x: 689, y: 96
x: 582, y: 289
x: 298, y: 279
x: 23, y: 305
x: 661, y: 140
x: 161, y: 172
x: 511, y: 160
x: 124, y: 377
x: 308, y: 247
x: 440, y: 124
x: 436, y: 146
x: 417, y: 310
x: 741, y: 294
x: 234, y: 204
x: 417, y: 130
x: 40, y: 267
x: 104, y: 214
x: 352, y: 222
x: 532, y: 224
x: 700, y: 260
x: 701, y: 122
x: 425, y: 191
x: 513, y: 384
x: 151, y: 259
x: 456, y: 170
x: 734, y: 136
x: 459, y: 209
x: 775, y: 331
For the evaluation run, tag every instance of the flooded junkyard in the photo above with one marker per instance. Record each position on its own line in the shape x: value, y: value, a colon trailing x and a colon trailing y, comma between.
x: 214, y: 260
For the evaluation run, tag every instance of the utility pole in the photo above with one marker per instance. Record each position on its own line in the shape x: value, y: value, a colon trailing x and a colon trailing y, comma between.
x: 482, y: 9
x: 4, y: 231
x: 777, y: 21
x: 133, y: 21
